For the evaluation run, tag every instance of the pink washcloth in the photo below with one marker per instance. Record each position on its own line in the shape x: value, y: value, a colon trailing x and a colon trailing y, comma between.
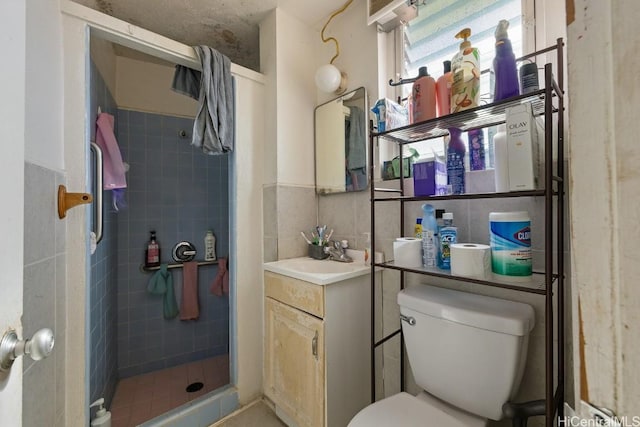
x: 189, y: 309
x: 113, y: 166
x: 221, y: 282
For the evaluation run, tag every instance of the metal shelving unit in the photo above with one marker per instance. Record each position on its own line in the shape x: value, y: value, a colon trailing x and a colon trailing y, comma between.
x: 546, y: 102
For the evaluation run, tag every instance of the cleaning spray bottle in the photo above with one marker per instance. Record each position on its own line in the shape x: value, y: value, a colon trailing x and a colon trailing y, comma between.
x: 465, y: 68
x: 423, y: 96
x: 504, y: 65
x: 103, y: 417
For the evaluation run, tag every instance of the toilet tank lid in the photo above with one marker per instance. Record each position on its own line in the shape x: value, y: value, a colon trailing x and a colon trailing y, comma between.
x: 479, y: 311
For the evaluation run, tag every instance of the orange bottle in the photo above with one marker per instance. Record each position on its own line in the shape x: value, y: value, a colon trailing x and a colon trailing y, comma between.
x: 443, y: 90
x: 423, y: 96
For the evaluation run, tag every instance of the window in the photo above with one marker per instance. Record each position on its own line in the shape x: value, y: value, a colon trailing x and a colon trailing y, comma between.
x: 429, y: 40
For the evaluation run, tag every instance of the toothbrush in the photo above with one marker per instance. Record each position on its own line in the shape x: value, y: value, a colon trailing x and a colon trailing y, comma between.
x: 328, y: 237
x: 305, y: 237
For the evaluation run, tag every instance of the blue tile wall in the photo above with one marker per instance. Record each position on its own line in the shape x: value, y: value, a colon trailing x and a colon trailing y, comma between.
x: 178, y: 191
x: 103, y: 281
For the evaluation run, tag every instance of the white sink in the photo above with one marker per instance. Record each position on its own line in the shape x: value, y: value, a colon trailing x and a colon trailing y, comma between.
x: 321, y: 272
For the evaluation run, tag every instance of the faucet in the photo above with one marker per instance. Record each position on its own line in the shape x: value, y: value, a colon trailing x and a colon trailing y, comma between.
x: 337, y: 253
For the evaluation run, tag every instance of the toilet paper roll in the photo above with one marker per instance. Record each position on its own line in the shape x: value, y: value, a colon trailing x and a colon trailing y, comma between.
x: 471, y: 260
x: 407, y: 252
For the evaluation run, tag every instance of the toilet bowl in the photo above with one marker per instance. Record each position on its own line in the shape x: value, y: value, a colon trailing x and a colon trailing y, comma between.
x: 406, y: 410
x: 467, y: 352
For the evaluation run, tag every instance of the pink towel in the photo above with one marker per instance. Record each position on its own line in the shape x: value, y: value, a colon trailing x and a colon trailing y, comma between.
x: 189, y: 309
x: 220, y: 284
x: 113, y: 167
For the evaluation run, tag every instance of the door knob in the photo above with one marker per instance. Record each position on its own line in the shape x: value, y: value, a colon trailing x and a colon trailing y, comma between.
x: 38, y: 347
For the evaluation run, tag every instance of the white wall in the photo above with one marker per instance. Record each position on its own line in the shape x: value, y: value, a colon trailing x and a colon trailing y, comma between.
x: 296, y: 99
x: 43, y: 92
x: 13, y: 30
x: 248, y: 207
x: 137, y: 84
x: 605, y: 200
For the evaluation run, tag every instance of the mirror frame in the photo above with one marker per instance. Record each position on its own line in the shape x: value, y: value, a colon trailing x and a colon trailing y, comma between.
x: 338, y: 187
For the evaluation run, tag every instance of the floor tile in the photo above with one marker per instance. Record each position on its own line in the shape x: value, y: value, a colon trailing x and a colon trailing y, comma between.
x: 139, y: 398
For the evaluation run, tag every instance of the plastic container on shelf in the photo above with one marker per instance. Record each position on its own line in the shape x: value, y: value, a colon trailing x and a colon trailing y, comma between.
x: 455, y: 162
x: 501, y: 160
x: 423, y: 96
x: 429, y: 236
x: 504, y: 65
x: 448, y: 235
x: 465, y: 69
x: 443, y: 91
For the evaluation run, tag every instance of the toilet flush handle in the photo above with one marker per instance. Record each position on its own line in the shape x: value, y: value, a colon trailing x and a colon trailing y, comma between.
x: 410, y: 320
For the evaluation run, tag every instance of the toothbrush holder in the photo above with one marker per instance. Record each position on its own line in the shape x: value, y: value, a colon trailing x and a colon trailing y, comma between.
x: 317, y: 252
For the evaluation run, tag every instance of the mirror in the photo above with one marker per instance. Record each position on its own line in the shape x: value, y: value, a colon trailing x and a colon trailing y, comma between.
x: 341, y: 136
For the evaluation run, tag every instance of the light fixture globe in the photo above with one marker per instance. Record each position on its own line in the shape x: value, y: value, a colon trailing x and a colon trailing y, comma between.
x: 330, y: 79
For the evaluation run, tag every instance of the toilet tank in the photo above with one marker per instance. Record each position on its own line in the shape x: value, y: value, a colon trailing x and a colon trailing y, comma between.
x: 468, y: 350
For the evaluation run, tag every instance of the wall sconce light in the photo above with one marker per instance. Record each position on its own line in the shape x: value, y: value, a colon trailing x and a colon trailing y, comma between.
x: 328, y: 77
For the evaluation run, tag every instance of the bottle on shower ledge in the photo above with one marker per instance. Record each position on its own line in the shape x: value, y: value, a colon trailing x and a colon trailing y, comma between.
x: 209, y: 246
x: 152, y: 254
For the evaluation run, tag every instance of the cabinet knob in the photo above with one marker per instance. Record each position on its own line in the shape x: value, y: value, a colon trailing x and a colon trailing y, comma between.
x: 38, y: 347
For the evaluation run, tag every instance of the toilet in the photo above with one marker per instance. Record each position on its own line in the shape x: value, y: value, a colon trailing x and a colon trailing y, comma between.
x: 467, y: 352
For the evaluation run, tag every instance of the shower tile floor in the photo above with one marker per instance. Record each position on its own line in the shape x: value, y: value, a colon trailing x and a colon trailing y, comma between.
x: 143, y: 397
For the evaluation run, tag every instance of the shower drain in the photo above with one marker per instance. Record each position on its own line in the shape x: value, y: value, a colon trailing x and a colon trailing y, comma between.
x: 193, y: 387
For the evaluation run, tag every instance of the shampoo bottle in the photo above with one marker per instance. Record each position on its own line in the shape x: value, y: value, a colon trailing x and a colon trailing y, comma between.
x: 443, y: 91
x: 429, y: 236
x: 152, y: 254
x: 465, y: 68
x: 455, y: 162
x: 448, y: 235
x: 103, y: 417
x: 504, y: 65
x: 423, y: 95
x: 209, y: 246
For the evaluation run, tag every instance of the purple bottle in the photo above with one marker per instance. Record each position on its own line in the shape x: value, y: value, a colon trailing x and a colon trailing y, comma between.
x: 504, y: 65
x: 455, y: 161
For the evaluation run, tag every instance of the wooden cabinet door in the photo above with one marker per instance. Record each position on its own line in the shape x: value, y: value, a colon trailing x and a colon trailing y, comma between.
x: 294, y: 363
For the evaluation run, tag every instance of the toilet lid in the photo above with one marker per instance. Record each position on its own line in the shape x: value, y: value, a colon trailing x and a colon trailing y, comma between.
x: 405, y: 410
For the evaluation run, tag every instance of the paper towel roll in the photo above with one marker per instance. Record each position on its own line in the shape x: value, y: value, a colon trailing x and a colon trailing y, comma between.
x: 407, y: 252
x: 471, y: 260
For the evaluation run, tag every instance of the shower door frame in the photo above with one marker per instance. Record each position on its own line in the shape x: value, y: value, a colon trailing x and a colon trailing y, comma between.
x: 79, y: 23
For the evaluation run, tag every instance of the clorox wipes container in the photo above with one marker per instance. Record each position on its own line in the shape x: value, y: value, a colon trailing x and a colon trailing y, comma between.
x: 510, y: 241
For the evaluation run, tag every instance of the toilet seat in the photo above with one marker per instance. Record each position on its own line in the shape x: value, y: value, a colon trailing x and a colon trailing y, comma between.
x: 405, y: 410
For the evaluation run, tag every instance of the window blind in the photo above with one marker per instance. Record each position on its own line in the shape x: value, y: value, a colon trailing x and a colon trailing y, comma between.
x: 429, y: 39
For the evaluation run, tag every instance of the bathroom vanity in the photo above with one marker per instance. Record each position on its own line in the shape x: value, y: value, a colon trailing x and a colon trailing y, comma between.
x: 317, y: 355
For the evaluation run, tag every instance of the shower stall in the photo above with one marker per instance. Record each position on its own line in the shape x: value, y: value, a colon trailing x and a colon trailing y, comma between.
x: 142, y: 363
